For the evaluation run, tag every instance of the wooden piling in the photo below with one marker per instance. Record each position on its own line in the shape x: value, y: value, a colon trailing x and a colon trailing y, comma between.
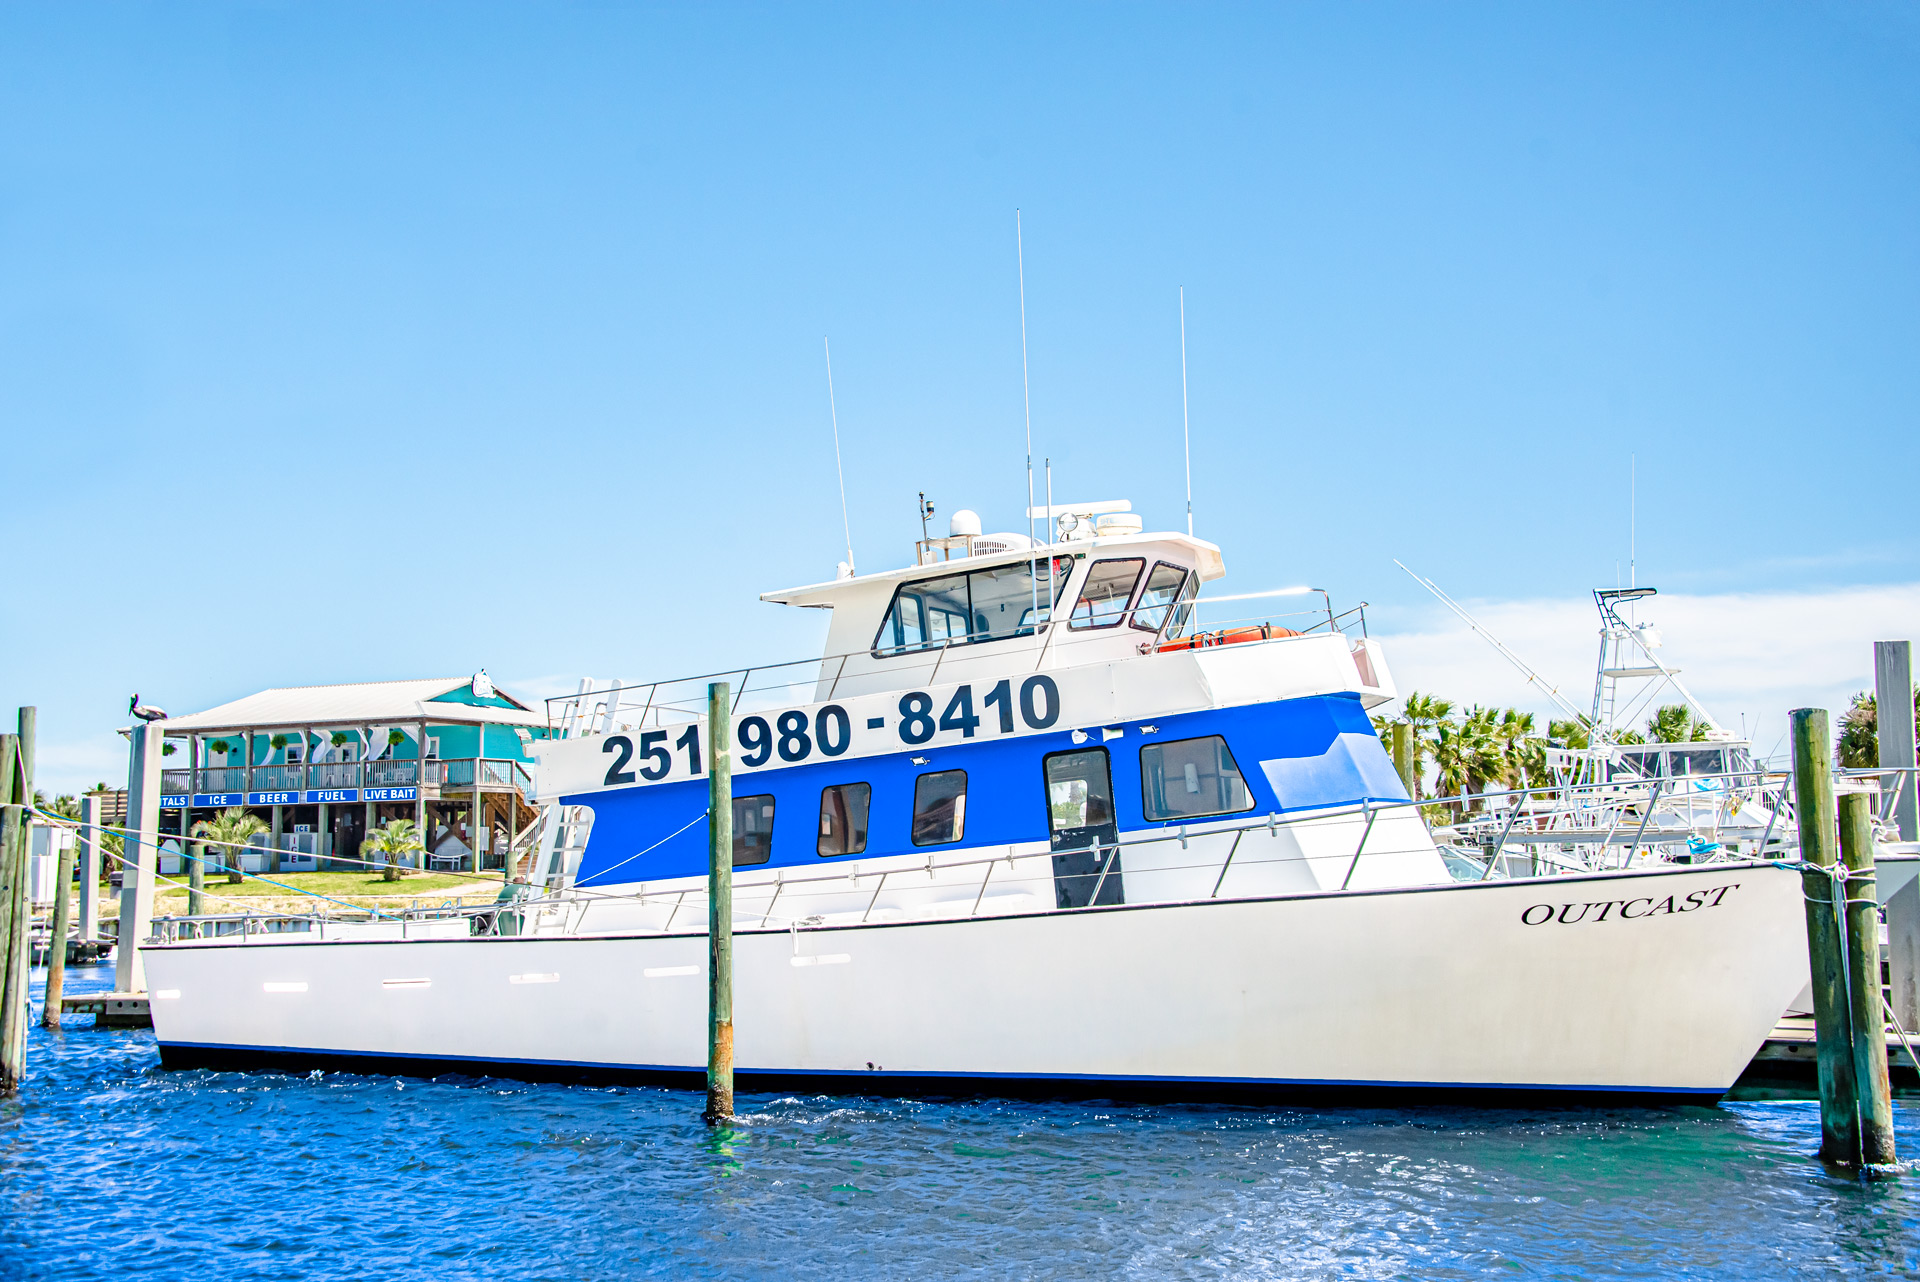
x: 1402, y: 737
x: 719, y: 902
x: 1867, y: 1018
x: 196, y: 878
x: 90, y: 870
x: 1813, y: 808
x: 13, y: 915
x: 18, y: 958
x: 57, y: 936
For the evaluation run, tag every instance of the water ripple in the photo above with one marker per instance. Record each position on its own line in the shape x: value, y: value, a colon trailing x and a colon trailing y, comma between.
x: 110, y: 1167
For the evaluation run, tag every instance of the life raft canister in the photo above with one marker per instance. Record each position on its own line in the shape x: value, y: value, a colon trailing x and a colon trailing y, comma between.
x: 1228, y: 636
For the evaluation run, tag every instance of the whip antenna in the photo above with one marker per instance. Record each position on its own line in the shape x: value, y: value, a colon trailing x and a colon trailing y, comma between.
x: 1186, y: 435
x: 1026, y: 400
x: 845, y: 523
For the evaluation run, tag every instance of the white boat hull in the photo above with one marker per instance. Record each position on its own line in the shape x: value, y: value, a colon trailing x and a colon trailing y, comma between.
x: 1657, y: 983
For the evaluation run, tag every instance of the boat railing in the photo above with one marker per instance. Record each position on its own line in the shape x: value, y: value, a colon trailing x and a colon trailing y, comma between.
x: 788, y: 907
x: 760, y: 687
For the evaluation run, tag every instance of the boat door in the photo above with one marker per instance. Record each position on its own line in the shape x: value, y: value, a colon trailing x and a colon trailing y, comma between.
x: 1082, y: 829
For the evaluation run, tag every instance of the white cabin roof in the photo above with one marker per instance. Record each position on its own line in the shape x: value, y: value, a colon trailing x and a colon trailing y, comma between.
x: 1204, y: 557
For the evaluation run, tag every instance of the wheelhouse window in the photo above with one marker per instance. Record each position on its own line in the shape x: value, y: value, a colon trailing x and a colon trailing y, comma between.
x: 939, y: 807
x: 752, y: 830
x: 1168, y: 591
x: 1103, y: 599
x: 843, y: 819
x: 989, y: 604
x: 1189, y: 778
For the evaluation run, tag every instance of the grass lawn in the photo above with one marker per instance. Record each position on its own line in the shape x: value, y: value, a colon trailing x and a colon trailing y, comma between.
x: 344, y: 885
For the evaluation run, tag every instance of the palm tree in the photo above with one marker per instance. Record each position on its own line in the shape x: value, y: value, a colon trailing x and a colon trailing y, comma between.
x: 396, y: 838
x: 1571, y: 733
x: 234, y: 827
x: 1423, y: 713
x: 1522, y: 753
x: 1675, y: 723
x: 1859, y: 744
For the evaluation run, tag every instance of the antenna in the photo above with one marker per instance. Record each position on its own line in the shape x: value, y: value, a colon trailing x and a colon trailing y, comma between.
x: 1533, y: 678
x: 834, y: 410
x: 1633, y: 520
x: 1051, y: 521
x: 1026, y: 400
x: 1186, y: 437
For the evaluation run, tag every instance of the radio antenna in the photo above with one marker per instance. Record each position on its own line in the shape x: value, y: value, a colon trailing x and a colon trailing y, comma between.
x: 1026, y: 400
x: 845, y: 523
x: 1186, y: 435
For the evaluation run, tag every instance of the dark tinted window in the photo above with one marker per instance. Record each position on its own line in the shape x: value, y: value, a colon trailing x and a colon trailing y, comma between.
x: 752, y: 830
x: 1191, y: 777
x: 939, y: 807
x: 843, y: 819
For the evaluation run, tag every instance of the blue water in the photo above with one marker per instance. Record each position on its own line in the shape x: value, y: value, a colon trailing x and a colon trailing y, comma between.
x: 110, y: 1167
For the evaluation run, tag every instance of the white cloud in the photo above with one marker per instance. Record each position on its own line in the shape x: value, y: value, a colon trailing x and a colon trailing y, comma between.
x: 1758, y: 654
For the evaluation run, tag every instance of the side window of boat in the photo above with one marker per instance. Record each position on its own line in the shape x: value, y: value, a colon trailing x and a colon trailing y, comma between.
x: 981, y: 605
x: 843, y: 819
x: 752, y: 830
x: 939, y: 807
x: 1169, y: 588
x: 1109, y: 586
x: 1188, y: 778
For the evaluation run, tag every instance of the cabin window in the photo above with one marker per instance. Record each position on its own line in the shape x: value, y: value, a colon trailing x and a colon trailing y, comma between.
x: 843, y: 819
x: 752, y: 830
x: 1168, y: 590
x: 978, y: 605
x: 1696, y: 761
x: 1103, y: 600
x: 1189, y: 778
x: 939, y: 807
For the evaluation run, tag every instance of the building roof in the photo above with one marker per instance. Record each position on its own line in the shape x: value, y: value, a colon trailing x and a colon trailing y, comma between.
x: 363, y: 702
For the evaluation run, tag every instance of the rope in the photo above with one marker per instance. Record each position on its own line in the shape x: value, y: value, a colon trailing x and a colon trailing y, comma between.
x: 655, y: 846
x: 121, y: 859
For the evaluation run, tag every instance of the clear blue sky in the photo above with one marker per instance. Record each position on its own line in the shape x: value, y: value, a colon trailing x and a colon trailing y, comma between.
x: 354, y: 342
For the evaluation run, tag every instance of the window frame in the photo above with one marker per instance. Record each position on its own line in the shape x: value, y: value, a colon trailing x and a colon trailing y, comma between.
x: 1046, y: 783
x: 1126, y: 611
x: 913, y: 821
x: 1146, y: 790
x: 770, y: 800
x: 1177, y: 609
x: 818, y: 836
x: 883, y: 649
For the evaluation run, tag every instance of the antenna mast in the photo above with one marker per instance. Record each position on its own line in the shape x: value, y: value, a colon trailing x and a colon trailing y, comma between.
x: 1186, y: 436
x: 1633, y: 521
x: 1026, y: 400
x: 845, y: 523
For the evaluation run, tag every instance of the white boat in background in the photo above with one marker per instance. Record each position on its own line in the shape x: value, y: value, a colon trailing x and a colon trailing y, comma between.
x: 1021, y: 830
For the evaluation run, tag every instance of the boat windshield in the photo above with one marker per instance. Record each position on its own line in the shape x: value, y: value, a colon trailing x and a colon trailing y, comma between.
x: 1697, y: 761
x: 988, y: 604
x: 1166, y: 585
